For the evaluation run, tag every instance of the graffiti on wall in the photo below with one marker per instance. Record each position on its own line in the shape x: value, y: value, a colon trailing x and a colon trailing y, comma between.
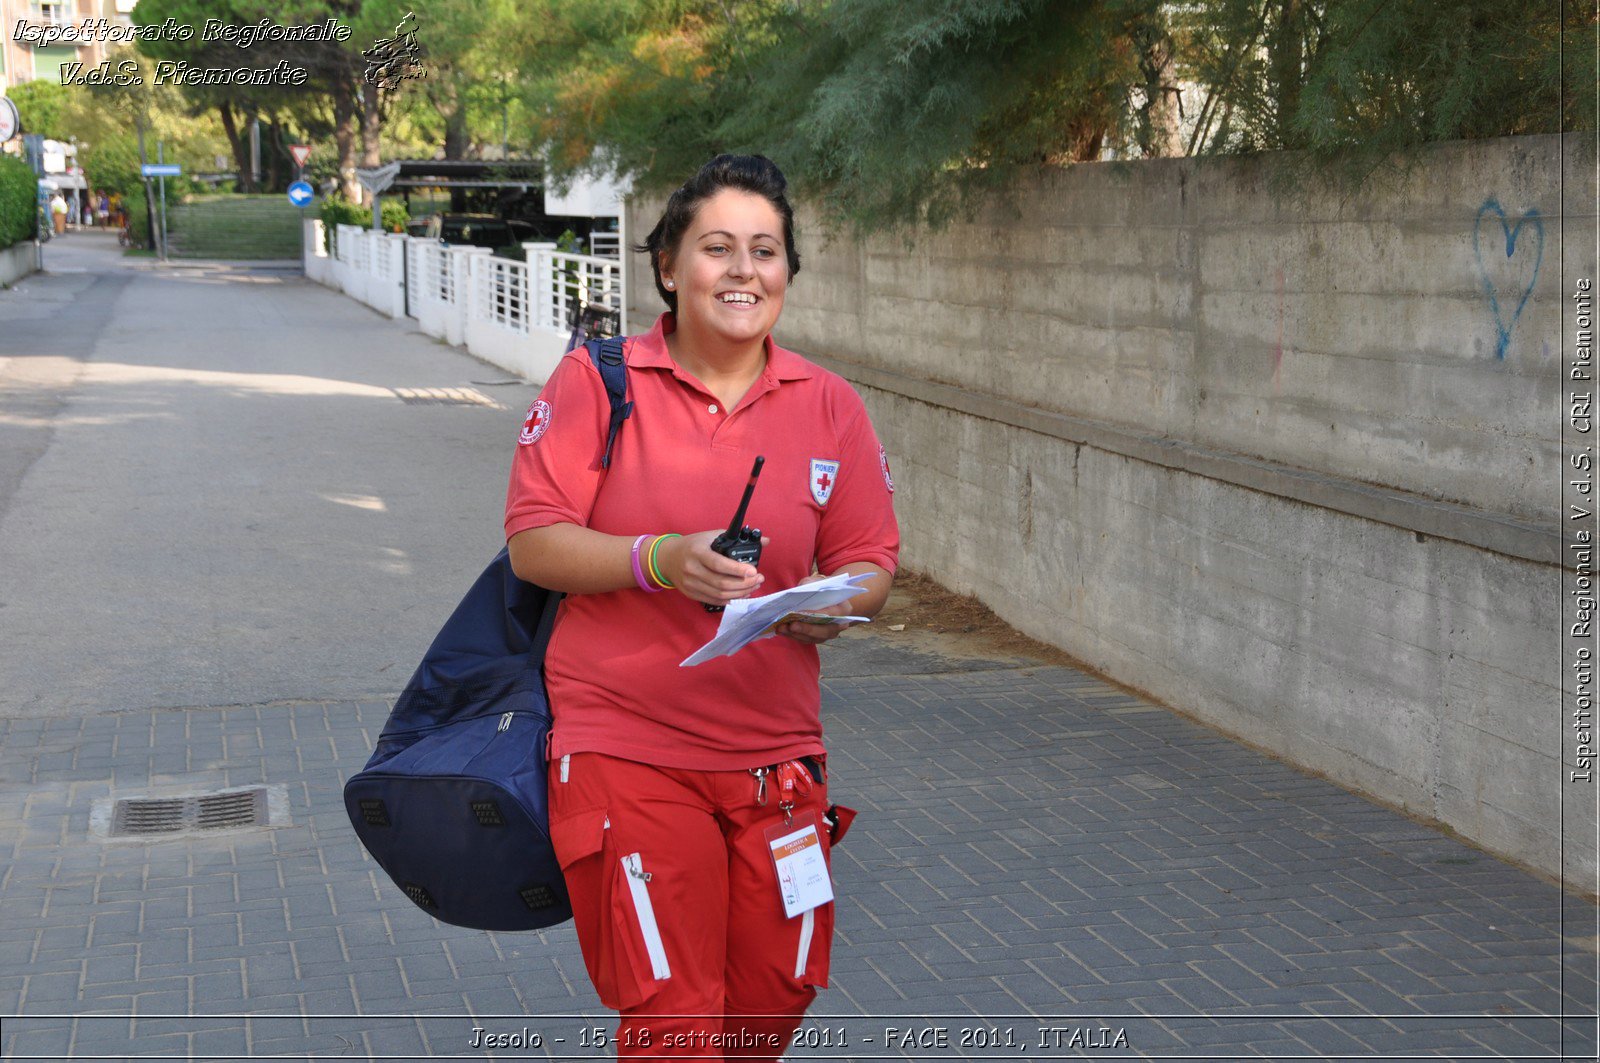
x: 1508, y: 279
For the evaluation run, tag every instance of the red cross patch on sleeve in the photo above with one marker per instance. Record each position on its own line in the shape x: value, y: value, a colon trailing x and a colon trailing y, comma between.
x: 823, y: 476
x: 537, y: 421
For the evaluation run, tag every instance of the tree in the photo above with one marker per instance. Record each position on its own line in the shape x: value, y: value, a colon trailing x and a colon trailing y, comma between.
x: 135, y: 105
x: 888, y: 113
x: 1366, y: 82
x: 43, y: 106
x: 885, y: 111
x: 332, y: 69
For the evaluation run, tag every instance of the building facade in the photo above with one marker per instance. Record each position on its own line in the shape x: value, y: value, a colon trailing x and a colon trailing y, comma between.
x: 22, y: 61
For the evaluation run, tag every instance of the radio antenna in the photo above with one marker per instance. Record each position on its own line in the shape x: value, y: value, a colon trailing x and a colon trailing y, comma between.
x: 738, y: 518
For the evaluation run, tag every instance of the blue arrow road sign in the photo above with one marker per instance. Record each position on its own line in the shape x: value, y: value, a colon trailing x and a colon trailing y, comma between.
x: 160, y: 169
x: 300, y: 193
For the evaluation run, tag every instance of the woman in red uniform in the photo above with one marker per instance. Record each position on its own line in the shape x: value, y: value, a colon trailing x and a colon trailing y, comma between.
x: 675, y: 791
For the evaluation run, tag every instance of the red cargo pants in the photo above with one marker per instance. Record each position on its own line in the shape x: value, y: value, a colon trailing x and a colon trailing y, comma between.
x: 676, y: 901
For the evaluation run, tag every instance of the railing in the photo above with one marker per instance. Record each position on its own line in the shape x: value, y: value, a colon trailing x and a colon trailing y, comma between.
x: 516, y: 314
x: 437, y: 281
x: 567, y: 283
x: 606, y: 245
x: 368, y: 266
x: 503, y: 294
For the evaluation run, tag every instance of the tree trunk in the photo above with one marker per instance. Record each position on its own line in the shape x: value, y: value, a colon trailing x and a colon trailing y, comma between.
x: 152, y: 219
x: 1159, y: 128
x: 344, y: 137
x: 447, y: 101
x: 236, y: 143
x: 274, y: 153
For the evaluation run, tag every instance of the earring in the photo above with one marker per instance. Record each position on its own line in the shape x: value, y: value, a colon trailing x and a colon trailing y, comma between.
x: 669, y: 285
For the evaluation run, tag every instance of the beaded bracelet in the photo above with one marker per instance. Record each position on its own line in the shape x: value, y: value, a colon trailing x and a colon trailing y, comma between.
x: 655, y: 570
x: 638, y: 572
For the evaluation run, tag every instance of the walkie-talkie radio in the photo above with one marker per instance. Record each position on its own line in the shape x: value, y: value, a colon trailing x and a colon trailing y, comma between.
x: 740, y: 542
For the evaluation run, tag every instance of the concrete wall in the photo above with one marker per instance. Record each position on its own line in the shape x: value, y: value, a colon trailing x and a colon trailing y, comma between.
x: 17, y: 261
x: 1285, y: 461
x: 1187, y: 300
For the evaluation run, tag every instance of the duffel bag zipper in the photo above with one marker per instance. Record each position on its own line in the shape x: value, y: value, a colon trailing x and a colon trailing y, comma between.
x: 501, y: 728
x: 419, y: 733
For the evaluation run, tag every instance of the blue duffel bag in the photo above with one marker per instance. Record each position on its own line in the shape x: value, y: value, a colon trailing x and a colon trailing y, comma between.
x: 453, y: 803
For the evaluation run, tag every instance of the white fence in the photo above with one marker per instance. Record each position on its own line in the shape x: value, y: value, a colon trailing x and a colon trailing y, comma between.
x: 568, y: 281
x: 517, y: 315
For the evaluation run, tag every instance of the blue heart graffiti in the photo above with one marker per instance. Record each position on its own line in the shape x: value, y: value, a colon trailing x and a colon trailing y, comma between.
x: 1502, y: 326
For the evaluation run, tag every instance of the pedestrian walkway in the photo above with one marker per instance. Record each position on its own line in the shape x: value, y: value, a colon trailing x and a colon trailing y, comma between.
x: 1045, y: 866
x: 1037, y: 852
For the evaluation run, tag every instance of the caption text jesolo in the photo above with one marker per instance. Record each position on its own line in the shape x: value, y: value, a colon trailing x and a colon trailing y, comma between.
x: 926, y: 1037
x: 169, y: 72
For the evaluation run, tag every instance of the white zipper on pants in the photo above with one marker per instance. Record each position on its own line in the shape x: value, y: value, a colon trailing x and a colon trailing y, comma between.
x: 644, y: 911
x: 807, y: 925
x: 566, y: 763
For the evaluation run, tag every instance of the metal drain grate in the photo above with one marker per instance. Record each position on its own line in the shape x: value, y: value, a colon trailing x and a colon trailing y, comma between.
x: 445, y: 397
x: 237, y: 808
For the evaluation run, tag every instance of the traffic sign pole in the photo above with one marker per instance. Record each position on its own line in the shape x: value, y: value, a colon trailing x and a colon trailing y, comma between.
x: 162, y: 182
x: 161, y: 171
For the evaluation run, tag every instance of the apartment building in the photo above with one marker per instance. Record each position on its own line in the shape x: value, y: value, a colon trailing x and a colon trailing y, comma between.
x: 20, y: 61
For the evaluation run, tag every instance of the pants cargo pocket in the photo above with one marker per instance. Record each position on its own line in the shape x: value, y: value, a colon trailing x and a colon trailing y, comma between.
x: 812, y: 962
x: 814, y: 949
x: 611, y: 909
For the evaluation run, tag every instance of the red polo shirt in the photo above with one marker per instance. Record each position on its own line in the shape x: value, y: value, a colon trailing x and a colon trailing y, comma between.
x: 680, y: 464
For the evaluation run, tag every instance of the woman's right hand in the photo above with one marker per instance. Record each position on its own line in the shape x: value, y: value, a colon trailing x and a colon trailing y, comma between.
x: 700, y: 573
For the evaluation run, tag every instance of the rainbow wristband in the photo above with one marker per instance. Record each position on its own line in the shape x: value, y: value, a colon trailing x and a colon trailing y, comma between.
x: 655, y: 569
x: 638, y: 572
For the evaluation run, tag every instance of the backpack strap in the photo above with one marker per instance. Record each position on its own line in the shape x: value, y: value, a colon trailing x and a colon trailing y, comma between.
x: 607, y: 358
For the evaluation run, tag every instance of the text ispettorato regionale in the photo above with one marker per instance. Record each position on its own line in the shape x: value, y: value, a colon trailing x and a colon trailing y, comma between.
x: 240, y: 35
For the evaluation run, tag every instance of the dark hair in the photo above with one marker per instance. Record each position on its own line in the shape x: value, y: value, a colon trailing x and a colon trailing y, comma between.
x: 747, y: 173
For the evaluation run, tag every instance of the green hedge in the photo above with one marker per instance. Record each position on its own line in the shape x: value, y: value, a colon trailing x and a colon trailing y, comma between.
x: 394, y: 216
x: 138, y: 220
x: 19, y: 201
x: 335, y: 212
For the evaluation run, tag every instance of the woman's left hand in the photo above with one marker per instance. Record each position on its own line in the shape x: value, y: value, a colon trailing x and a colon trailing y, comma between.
x: 815, y: 634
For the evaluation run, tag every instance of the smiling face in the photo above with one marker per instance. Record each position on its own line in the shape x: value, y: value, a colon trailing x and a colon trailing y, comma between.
x: 730, y: 271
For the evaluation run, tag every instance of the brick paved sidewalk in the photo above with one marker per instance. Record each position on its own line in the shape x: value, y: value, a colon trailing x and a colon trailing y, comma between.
x: 1044, y: 867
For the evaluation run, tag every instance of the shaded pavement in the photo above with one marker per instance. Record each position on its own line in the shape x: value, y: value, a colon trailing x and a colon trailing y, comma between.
x: 226, y: 537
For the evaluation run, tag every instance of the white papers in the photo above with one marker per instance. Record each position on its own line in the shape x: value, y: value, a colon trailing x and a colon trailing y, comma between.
x: 748, y: 619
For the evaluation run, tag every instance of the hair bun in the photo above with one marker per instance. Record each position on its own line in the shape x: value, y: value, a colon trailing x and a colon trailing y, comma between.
x: 756, y: 174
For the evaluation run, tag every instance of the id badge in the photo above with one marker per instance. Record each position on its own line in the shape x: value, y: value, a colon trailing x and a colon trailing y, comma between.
x: 803, y: 880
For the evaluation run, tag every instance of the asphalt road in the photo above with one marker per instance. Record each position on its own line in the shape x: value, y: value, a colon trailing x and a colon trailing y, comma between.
x: 210, y: 493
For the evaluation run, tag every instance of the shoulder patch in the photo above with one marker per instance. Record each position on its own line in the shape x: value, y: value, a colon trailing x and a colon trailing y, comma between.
x: 823, y: 476
x: 883, y: 463
x: 535, y: 423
